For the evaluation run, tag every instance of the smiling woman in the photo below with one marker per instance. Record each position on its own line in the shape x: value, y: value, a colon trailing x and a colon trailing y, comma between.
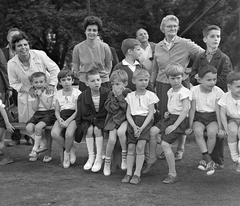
x: 92, y: 54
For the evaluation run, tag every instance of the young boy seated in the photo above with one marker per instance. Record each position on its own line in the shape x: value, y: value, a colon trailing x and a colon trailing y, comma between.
x: 175, y: 122
x: 230, y: 116
x: 204, y: 115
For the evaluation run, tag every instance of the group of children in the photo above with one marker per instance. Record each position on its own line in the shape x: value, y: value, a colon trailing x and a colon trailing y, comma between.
x: 127, y: 112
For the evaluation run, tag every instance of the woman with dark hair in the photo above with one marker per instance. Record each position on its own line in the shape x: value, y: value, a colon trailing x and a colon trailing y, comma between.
x: 92, y: 54
x: 26, y: 62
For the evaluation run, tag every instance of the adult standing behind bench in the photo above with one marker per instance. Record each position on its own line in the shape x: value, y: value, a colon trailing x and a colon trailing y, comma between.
x: 21, y: 67
x: 171, y: 49
x: 92, y: 54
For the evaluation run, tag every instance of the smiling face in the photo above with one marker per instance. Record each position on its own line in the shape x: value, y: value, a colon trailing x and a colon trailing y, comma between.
x: 39, y: 82
x: 142, y: 36
x: 22, y: 48
x: 91, y: 32
x: 170, y: 28
x: 94, y: 82
x: 213, y: 39
x: 208, y: 81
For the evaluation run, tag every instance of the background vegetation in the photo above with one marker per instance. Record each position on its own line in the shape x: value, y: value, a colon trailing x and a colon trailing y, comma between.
x: 55, y: 25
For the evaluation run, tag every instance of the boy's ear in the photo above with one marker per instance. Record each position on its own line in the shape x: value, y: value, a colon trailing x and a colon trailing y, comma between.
x: 86, y: 83
x: 125, y: 84
x: 133, y: 81
x: 129, y: 51
x: 204, y: 39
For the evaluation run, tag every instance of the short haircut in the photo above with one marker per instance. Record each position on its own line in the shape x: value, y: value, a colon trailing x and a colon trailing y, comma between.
x: 65, y: 73
x: 129, y: 43
x: 233, y: 76
x: 203, y: 70
x: 174, y: 69
x: 210, y: 28
x: 140, y: 29
x: 91, y: 73
x: 36, y: 75
x: 140, y: 71
x: 167, y: 18
x: 92, y: 20
x: 17, y: 38
x: 120, y: 75
x: 11, y: 30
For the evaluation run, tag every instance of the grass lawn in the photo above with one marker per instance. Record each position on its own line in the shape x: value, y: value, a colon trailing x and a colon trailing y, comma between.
x: 25, y: 183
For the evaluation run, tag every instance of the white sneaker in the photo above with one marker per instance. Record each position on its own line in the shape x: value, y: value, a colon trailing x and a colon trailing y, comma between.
x: 89, y: 163
x: 33, y: 154
x: 73, y: 155
x: 66, y: 160
x: 124, y: 164
x: 97, y: 165
x: 107, y: 169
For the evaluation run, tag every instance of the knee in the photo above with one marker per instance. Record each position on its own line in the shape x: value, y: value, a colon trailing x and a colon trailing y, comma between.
x: 121, y: 133
x: 29, y: 128
x: 212, y: 134
x: 140, y: 149
x: 69, y: 135
x: 154, y: 131
x: 131, y: 149
x: 232, y: 132
x: 89, y: 132
x: 38, y: 129
x: 198, y: 133
x: 112, y: 141
x: 97, y: 132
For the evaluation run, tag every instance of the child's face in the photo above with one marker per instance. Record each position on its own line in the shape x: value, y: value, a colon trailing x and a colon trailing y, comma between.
x: 118, y: 85
x: 39, y: 82
x: 66, y: 82
x: 136, y: 52
x: 94, y: 82
x: 235, y: 88
x: 213, y: 39
x: 208, y: 81
x: 175, y: 81
x: 141, y: 82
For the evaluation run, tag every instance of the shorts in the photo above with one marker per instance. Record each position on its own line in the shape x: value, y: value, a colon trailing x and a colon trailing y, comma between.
x: 180, y: 130
x: 139, y: 120
x: 48, y: 117
x: 66, y: 113
x: 205, y: 117
x: 237, y: 121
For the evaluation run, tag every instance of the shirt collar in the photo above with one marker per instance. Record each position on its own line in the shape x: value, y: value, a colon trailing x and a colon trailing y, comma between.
x: 124, y: 62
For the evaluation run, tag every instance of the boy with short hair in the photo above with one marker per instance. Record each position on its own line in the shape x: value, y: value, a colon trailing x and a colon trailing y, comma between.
x: 213, y: 56
x: 116, y: 122
x: 204, y: 115
x: 175, y: 122
x: 230, y: 115
x: 90, y: 118
x: 140, y: 112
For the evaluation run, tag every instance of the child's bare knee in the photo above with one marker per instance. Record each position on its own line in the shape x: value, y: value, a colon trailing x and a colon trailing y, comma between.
x: 131, y: 149
x: 97, y: 132
x: 154, y: 131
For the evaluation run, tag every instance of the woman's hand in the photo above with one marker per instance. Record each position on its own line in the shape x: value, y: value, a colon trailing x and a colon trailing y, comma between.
x: 50, y: 89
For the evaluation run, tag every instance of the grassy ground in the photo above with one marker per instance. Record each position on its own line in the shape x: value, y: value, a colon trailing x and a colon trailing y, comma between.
x: 25, y: 183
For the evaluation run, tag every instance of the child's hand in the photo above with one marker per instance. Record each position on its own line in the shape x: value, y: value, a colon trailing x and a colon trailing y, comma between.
x: 64, y: 124
x: 136, y: 131
x: 38, y: 92
x: 10, y: 128
x: 188, y: 131
x: 221, y: 133
x: 166, y: 115
x: 117, y: 90
x: 170, y: 129
x: 139, y: 132
x: 60, y: 121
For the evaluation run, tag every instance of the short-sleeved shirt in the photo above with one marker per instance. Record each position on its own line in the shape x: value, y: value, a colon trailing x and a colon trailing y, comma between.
x: 45, y: 96
x: 206, y: 102
x: 67, y: 102
x: 175, y: 105
x: 231, y: 105
x: 139, y: 103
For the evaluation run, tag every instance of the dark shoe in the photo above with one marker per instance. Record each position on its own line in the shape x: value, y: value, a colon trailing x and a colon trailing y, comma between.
x: 170, y: 179
x: 126, y: 179
x: 13, y: 143
x: 218, y: 166
x: 135, y: 180
x: 178, y: 155
x: 162, y: 156
x: 149, y: 167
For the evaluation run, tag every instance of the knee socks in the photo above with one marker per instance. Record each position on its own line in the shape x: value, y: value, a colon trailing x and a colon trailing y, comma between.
x: 130, y: 162
x: 233, y: 147
x: 99, y: 145
x: 90, y: 147
x: 139, y: 164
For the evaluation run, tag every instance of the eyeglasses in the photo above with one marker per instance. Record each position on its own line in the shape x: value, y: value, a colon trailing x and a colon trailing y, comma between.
x: 172, y: 26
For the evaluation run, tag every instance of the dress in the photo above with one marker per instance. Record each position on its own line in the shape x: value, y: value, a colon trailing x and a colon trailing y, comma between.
x: 19, y: 78
x: 98, y: 56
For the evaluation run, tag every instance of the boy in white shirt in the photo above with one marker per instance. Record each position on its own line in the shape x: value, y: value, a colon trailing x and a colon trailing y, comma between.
x: 204, y: 115
x: 230, y: 115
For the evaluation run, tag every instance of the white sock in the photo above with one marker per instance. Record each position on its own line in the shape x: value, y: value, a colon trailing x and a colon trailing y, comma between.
x: 99, y: 145
x: 233, y: 147
x: 90, y: 146
x: 37, y: 142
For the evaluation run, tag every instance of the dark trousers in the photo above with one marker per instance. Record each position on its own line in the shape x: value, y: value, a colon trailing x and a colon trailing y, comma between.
x: 218, y: 151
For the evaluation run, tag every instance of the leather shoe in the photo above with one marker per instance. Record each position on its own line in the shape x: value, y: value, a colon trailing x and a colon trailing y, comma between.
x: 13, y: 143
x: 149, y: 167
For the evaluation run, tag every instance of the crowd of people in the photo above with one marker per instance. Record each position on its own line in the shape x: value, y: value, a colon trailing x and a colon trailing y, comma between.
x: 153, y: 96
